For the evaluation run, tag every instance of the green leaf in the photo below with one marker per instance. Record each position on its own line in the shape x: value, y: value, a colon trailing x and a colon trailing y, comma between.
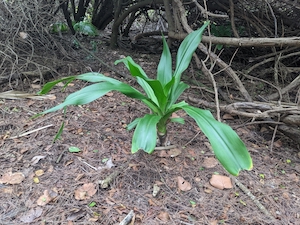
x: 153, y: 88
x: 145, y: 135
x: 133, y: 67
x: 133, y: 124
x: 59, y: 132
x: 164, y: 69
x: 95, y: 91
x: 86, y: 28
x: 74, y: 149
x: 148, y: 89
x: 94, y: 77
x: 177, y: 120
x: 228, y: 147
x: 181, y: 87
x: 186, y: 50
x: 47, y: 87
x: 92, y: 204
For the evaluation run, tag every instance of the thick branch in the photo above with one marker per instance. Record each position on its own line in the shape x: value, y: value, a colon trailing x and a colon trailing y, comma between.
x: 246, y: 42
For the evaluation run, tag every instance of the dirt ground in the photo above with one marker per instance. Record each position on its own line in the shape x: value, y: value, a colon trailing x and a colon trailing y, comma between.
x: 46, y: 183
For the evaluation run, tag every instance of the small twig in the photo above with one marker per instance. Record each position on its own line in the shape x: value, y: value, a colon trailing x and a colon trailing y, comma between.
x: 81, y: 160
x: 60, y: 156
x: 192, y: 139
x: 274, y: 134
x: 253, y: 198
x: 165, y: 147
x: 130, y: 216
x: 212, y: 79
x: 32, y: 131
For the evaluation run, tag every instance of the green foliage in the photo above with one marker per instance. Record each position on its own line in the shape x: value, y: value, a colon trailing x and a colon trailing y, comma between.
x: 161, y: 96
x: 58, y: 27
x: 85, y: 28
x: 82, y: 27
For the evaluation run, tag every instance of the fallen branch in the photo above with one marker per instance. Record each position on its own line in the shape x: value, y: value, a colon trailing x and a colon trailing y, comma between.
x: 107, y: 181
x: 245, y: 42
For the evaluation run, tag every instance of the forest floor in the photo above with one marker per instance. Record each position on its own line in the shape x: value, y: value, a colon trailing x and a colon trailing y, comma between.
x: 46, y: 183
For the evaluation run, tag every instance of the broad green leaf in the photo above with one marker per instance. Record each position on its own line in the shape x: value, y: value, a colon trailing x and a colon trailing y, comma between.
x: 94, y: 77
x: 154, y: 108
x: 135, y: 69
x: 159, y: 93
x: 228, y: 147
x: 186, y: 50
x: 144, y: 136
x: 95, y: 91
x: 176, y: 93
x: 148, y: 89
x: 47, y: 87
x: 164, y: 69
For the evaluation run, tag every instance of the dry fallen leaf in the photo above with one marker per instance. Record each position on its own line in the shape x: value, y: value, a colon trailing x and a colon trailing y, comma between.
x: 36, y: 159
x: 278, y: 144
x: 183, y: 185
x: 156, y: 189
x: 44, y: 199
x: 85, y: 191
x: 164, y: 216
x: 12, y: 178
x: 227, y: 117
x: 39, y: 172
x: 220, y: 182
x: 210, y: 162
x: 174, y: 152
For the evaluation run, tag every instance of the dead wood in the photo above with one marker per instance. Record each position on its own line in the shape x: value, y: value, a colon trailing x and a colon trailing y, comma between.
x: 245, y: 42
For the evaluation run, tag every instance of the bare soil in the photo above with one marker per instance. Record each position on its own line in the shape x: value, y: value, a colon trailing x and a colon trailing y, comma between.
x: 59, y: 186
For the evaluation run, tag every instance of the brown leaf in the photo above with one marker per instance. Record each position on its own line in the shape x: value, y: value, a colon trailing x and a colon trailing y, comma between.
x: 39, y: 172
x: 85, y: 191
x: 183, y: 185
x: 12, y: 178
x: 278, y: 144
x: 227, y: 117
x: 164, y: 216
x: 44, y: 199
x: 174, y: 152
x: 220, y: 182
x: 210, y: 162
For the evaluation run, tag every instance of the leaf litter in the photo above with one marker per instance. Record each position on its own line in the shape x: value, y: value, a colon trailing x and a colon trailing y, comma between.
x: 132, y: 189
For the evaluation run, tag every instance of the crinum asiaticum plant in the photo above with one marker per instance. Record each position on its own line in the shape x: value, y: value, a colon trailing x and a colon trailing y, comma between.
x: 160, y: 96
